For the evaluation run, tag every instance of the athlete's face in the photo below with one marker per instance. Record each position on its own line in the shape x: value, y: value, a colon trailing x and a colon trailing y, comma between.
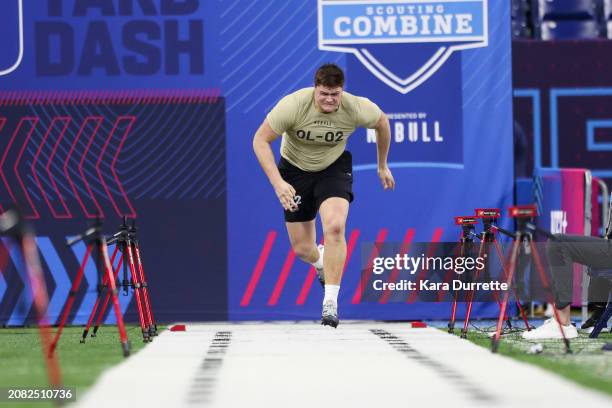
x: 328, y: 99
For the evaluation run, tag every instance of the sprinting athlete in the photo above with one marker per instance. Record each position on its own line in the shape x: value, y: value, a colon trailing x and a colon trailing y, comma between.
x: 315, y: 171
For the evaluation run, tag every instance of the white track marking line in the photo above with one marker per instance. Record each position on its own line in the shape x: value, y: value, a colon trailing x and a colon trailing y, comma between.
x: 307, y: 365
x: 154, y: 377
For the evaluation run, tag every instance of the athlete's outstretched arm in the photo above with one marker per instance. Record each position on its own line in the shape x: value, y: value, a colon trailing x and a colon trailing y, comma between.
x: 261, y: 145
x: 383, y: 141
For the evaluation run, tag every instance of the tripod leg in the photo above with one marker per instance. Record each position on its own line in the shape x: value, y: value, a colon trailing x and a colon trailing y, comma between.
x: 138, y: 292
x: 145, y: 286
x: 516, y: 297
x: 502, y: 312
x: 603, y: 320
x: 551, y: 300
x: 522, y: 312
x: 98, y: 298
x: 94, y: 310
x: 113, y: 288
x: 451, y: 323
x: 468, y: 312
x: 519, y: 286
x: 504, y: 274
x: 41, y: 302
x: 107, y: 297
x: 71, y: 294
x: 470, y: 294
x: 488, y: 238
x: 458, y: 251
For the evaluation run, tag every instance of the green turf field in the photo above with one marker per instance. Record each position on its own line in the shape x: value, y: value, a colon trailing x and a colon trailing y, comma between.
x: 22, y: 365
x: 587, y: 364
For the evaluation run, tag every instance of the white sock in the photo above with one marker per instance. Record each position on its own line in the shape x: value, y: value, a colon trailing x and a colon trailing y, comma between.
x: 331, y: 293
x: 319, y: 263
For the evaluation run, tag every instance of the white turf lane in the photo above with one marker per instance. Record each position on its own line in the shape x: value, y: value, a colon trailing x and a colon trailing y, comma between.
x: 364, y: 364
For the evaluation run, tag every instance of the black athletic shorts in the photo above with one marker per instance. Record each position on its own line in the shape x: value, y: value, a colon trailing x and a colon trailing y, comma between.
x: 313, y: 187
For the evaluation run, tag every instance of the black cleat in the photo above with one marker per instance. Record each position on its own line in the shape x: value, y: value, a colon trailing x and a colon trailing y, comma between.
x: 329, y: 317
x: 590, y: 322
x: 320, y: 276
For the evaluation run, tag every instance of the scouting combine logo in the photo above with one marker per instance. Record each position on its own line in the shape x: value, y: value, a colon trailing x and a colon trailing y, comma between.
x: 402, y: 43
x: 11, y: 36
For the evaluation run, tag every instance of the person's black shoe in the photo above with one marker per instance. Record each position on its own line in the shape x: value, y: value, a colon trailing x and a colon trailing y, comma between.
x: 590, y: 322
x: 329, y: 317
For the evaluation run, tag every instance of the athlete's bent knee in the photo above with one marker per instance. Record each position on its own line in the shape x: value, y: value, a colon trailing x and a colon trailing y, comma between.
x: 302, y: 250
x: 333, y: 229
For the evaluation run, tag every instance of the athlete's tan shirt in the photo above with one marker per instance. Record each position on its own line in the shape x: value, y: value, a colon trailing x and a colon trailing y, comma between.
x: 312, y: 140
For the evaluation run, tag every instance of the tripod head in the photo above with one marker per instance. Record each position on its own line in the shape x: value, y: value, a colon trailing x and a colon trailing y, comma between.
x: 93, y: 236
x: 525, y: 219
x: 124, y: 238
x: 489, y: 218
x: 468, y: 225
x: 523, y: 215
x: 124, y: 234
x: 133, y: 230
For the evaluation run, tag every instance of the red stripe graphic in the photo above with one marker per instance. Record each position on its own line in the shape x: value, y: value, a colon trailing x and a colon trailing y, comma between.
x: 98, y: 122
x: 33, y: 121
x: 449, y: 274
x: 23, y: 98
x: 280, y: 283
x: 310, y: 277
x: 349, y: 250
x: 62, y: 131
x: 380, y: 238
x: 395, y: 273
x: 259, y: 267
x: 82, y: 163
x: 2, y: 123
x: 131, y: 120
x: 436, y: 238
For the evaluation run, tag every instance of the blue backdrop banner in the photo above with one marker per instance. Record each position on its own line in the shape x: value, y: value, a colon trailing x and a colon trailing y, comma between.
x: 448, y: 96
x: 147, y: 109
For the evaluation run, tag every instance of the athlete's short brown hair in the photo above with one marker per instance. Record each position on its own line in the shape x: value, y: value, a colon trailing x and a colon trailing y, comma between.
x: 329, y: 75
